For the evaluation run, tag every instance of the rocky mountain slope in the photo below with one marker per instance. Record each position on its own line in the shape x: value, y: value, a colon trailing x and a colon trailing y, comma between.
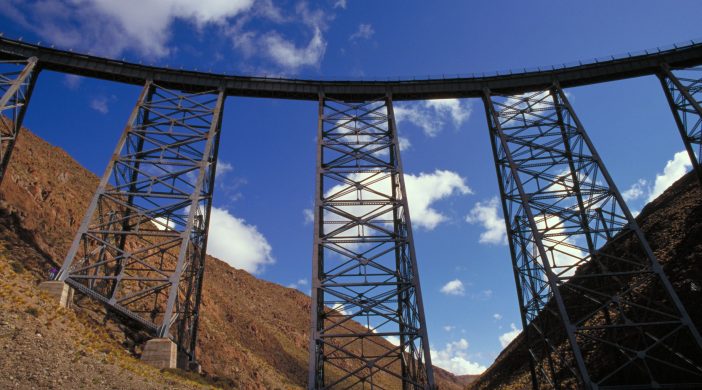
x: 672, y: 224
x: 253, y: 333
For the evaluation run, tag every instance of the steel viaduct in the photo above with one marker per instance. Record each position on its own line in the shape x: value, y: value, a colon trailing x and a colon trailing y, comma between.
x: 140, y: 248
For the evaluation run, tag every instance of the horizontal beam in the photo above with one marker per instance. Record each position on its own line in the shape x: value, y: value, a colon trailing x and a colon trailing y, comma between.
x: 137, y: 74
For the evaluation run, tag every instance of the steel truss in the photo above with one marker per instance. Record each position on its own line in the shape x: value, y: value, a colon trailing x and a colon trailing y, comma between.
x: 684, y: 94
x: 17, y: 80
x: 140, y: 249
x: 364, y: 265
x: 596, y: 317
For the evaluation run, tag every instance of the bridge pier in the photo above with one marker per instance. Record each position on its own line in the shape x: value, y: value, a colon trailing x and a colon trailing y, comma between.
x: 60, y: 291
x: 579, y: 302
x: 364, y: 263
x: 160, y: 353
x: 683, y: 95
x: 140, y: 249
x: 17, y: 87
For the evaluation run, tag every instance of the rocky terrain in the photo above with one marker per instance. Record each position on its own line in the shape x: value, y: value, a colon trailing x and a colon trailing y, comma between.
x: 672, y: 224
x: 253, y: 333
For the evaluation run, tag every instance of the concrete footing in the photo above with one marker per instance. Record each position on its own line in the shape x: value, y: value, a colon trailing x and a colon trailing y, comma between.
x: 160, y: 353
x: 60, y: 291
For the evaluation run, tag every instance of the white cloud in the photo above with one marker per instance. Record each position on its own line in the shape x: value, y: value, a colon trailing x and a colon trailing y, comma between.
x: 483, y: 295
x: 109, y: 27
x: 425, y: 189
x: 450, y: 107
x: 270, y: 11
x: 237, y: 243
x: 454, y: 358
x: 309, y: 216
x: 340, y: 4
x: 163, y: 223
x: 285, y: 53
x: 300, y: 283
x: 413, y: 113
x: 449, y: 328
x: 404, y: 143
x: 454, y: 287
x: 394, y: 340
x: 561, y: 249
x: 431, y: 115
x: 99, y: 104
x: 674, y: 170
x: 223, y: 168
x: 497, y: 316
x: 291, y: 57
x: 636, y: 190
x: 72, y: 81
x: 365, y: 31
x: 488, y: 215
x: 507, y: 338
x: 340, y: 308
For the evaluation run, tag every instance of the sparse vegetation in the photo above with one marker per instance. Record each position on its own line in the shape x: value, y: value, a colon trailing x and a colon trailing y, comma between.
x: 17, y: 267
x: 33, y: 311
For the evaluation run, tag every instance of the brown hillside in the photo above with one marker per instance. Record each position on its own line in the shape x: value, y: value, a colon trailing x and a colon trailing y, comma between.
x: 672, y: 224
x: 253, y: 333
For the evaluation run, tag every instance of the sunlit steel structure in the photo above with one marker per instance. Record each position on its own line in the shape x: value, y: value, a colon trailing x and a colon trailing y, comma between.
x: 17, y: 79
x: 140, y: 248
x: 564, y: 214
x: 364, y: 264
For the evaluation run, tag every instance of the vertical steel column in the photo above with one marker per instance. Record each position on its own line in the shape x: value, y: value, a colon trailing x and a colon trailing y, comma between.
x: 140, y: 249
x: 16, y: 87
x: 365, y: 282
x: 684, y: 95
x: 595, y: 316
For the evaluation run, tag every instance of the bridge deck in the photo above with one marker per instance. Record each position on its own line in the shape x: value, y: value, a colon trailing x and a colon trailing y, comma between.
x: 108, y: 69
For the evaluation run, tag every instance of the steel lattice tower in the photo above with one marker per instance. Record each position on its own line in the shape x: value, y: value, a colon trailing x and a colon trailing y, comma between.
x: 579, y: 299
x: 364, y: 264
x: 140, y: 249
x: 684, y: 94
x: 17, y: 80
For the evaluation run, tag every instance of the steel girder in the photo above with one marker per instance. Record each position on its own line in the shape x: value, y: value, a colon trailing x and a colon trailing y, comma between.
x: 17, y: 79
x: 616, y: 68
x: 365, y: 277
x: 684, y: 95
x: 595, y: 317
x: 140, y: 249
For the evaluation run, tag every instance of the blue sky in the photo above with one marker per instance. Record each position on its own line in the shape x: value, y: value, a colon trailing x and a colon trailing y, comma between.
x: 267, y: 153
